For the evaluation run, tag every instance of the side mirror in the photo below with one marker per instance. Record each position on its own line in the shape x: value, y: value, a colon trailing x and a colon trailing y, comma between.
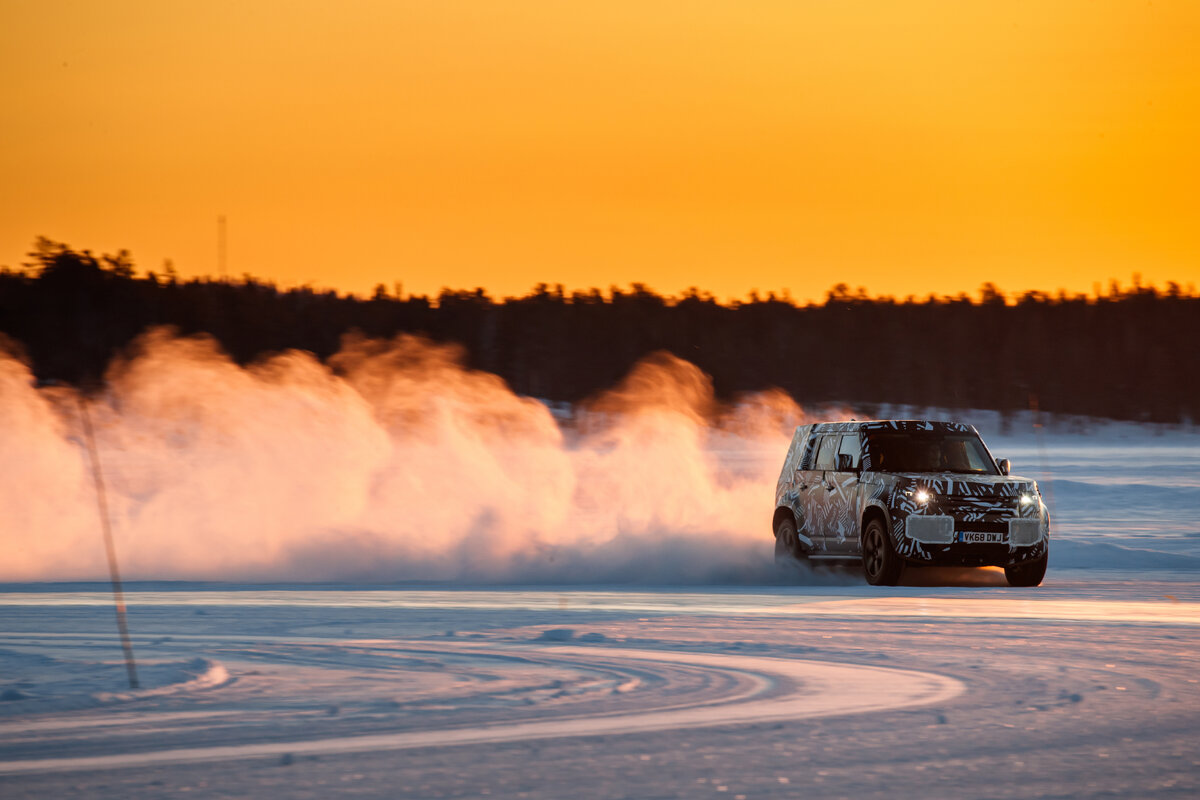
x: 1003, y: 464
x: 845, y: 462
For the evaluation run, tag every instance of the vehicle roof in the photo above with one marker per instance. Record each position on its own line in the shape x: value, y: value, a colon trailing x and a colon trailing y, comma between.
x: 893, y: 425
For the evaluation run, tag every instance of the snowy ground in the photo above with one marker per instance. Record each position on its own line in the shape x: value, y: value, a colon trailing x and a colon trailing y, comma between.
x: 1086, y: 687
x: 802, y: 684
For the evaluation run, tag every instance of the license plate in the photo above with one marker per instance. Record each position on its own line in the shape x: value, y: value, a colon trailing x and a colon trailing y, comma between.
x: 982, y: 537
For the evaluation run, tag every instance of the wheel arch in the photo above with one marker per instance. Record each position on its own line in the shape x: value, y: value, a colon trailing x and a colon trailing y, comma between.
x: 874, y: 511
x: 782, y: 513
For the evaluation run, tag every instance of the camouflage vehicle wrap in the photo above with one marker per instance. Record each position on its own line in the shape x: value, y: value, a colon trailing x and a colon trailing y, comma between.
x: 973, y: 516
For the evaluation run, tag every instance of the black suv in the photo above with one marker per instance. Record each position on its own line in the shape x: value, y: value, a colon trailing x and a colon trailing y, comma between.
x: 916, y: 492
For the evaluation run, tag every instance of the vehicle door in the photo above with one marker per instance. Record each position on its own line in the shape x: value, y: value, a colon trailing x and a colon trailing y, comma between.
x: 809, y: 489
x: 842, y: 496
x: 819, y: 513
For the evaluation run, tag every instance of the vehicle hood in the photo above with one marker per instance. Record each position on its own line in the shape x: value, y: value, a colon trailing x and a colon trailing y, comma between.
x: 949, y: 484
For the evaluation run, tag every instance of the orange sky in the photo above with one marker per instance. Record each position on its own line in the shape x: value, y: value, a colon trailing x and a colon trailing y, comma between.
x: 909, y: 147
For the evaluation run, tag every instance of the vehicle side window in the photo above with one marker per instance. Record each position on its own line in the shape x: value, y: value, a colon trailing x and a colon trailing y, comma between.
x: 851, y: 447
x: 825, y: 455
x: 810, y: 451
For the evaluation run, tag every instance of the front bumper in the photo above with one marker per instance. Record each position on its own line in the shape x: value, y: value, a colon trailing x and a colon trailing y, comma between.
x: 998, y: 540
x: 976, y: 555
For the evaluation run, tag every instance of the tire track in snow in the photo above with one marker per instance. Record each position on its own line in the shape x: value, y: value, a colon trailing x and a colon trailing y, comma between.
x: 767, y: 690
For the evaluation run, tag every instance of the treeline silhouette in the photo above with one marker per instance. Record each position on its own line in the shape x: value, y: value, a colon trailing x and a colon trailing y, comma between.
x: 1128, y: 354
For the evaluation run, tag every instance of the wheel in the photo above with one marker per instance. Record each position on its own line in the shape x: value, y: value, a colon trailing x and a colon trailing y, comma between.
x: 787, y: 544
x: 880, y: 562
x: 1028, y: 574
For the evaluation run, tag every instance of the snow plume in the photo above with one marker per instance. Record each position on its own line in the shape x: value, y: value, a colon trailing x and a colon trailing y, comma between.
x: 391, y: 462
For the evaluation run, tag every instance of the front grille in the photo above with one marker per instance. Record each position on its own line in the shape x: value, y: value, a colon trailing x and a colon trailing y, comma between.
x: 976, y: 506
x: 978, y: 498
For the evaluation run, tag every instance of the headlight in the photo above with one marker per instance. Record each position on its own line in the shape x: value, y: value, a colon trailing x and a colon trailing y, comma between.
x: 922, y: 496
x: 1028, y: 499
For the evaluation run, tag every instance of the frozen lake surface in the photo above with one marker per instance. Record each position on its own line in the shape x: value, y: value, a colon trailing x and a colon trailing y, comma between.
x: 1084, y: 687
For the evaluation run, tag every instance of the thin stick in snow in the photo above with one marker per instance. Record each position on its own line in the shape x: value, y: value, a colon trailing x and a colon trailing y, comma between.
x: 109, y: 547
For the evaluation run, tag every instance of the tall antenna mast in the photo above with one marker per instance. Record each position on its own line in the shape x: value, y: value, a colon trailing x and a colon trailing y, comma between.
x: 221, y: 265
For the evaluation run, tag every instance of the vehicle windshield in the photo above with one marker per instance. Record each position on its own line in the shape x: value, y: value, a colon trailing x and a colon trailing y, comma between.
x: 928, y: 451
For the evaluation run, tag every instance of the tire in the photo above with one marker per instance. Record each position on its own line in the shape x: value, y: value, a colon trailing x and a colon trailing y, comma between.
x: 881, y: 564
x: 1029, y: 573
x: 787, y: 544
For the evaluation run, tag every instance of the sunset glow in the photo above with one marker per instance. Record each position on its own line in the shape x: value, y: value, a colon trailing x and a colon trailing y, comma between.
x: 905, y: 147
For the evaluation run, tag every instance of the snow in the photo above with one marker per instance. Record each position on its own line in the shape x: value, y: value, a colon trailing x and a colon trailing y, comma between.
x: 814, y: 689
x: 773, y: 682
x: 289, y: 691
x: 930, y: 690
